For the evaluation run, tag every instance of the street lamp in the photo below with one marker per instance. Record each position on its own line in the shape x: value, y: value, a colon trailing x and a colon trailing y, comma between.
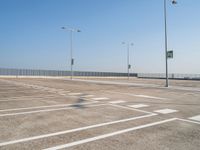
x: 128, y: 58
x: 71, y: 30
x: 166, y: 40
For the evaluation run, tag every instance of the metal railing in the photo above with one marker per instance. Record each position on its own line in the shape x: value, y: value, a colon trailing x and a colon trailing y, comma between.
x: 171, y: 76
x: 33, y: 72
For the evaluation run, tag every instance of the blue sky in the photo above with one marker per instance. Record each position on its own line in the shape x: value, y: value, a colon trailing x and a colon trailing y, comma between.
x: 30, y: 34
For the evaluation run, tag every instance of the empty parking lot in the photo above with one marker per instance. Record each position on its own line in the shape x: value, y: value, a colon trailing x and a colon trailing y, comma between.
x: 82, y: 114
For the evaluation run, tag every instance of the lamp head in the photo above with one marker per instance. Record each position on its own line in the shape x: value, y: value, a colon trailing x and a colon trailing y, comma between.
x: 174, y: 2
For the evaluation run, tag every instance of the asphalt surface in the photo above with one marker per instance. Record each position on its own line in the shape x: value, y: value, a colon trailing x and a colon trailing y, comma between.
x: 109, y: 114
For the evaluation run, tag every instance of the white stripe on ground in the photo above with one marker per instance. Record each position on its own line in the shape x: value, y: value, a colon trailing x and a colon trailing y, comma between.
x: 136, y: 95
x: 86, y: 96
x: 166, y: 111
x: 100, y: 98
x: 46, y: 110
x: 109, y: 135
x: 74, y: 130
x: 37, y: 107
x: 42, y: 98
x: 132, y: 109
x: 138, y: 106
x: 117, y: 83
x: 74, y: 94
x: 29, y: 96
x: 185, y: 120
x: 196, y: 118
x: 140, y: 85
x: 117, y: 102
x: 62, y: 94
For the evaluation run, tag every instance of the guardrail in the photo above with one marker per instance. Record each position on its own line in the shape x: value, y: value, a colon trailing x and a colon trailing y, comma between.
x: 33, y: 72
x: 171, y: 76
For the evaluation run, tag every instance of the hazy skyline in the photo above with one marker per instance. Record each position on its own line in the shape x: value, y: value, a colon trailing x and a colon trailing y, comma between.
x: 31, y: 35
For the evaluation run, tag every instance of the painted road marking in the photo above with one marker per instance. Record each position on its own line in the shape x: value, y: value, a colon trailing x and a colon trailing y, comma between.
x: 131, y: 109
x: 100, y: 98
x: 185, y: 120
x: 166, y: 111
x: 74, y: 130
x: 196, y: 118
x: 117, y: 102
x: 74, y: 94
x: 136, y: 95
x: 138, y: 106
x: 45, y: 110
x: 37, y: 107
x: 63, y: 92
x: 109, y: 135
x: 85, y: 96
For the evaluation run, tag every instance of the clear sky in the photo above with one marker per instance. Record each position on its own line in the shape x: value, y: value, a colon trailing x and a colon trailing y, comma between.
x: 30, y: 34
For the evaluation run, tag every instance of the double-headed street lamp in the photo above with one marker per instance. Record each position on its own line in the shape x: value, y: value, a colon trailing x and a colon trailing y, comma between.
x: 128, y: 57
x: 71, y: 30
x: 166, y: 40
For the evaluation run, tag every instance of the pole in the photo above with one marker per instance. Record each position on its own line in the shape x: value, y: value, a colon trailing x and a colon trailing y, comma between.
x: 166, y: 59
x: 71, y: 49
x: 128, y: 61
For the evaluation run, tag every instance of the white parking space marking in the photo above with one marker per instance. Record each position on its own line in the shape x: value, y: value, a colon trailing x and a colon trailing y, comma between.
x: 75, y: 94
x: 166, y: 111
x: 131, y: 108
x: 42, y: 98
x: 63, y: 92
x: 185, y: 120
x: 46, y: 110
x: 74, y: 130
x: 137, y: 95
x: 110, y: 134
x: 196, y: 118
x: 138, y: 106
x: 86, y: 96
x: 117, y: 102
x: 37, y: 107
x: 100, y: 98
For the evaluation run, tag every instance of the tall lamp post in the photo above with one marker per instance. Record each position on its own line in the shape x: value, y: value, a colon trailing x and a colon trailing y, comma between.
x: 71, y: 30
x: 166, y: 40
x: 128, y: 57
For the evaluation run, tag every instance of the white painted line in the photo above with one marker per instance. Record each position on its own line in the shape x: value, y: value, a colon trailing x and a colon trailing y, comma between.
x: 29, y: 98
x: 196, y: 118
x: 37, y: 107
x: 185, y: 120
x: 45, y: 110
x: 74, y: 130
x: 132, y: 109
x: 100, y: 98
x: 72, y: 94
x: 62, y: 94
x: 151, y: 97
x: 109, y: 135
x: 138, y: 106
x: 136, y: 95
x: 117, y: 102
x: 86, y: 96
x: 166, y: 111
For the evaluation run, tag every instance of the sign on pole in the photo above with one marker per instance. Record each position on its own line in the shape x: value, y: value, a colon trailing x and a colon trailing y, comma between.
x: 170, y: 54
